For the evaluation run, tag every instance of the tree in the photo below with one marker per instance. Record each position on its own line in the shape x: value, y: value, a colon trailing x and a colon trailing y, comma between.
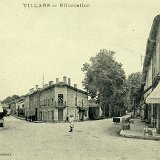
x: 134, y: 89
x: 9, y: 99
x: 105, y: 80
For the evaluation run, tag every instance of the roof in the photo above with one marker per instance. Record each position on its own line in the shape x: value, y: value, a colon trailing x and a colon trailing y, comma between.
x: 60, y: 84
x: 150, y: 47
x: 93, y: 104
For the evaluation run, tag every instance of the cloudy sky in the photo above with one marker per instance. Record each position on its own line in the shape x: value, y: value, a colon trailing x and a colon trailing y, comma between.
x: 57, y: 41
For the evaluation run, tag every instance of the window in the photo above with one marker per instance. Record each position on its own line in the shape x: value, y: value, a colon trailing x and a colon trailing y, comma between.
x: 75, y: 100
x: 52, y: 100
x: 82, y: 102
x: 60, y: 99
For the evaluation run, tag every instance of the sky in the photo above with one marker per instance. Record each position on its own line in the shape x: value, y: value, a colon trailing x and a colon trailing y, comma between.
x: 56, y: 42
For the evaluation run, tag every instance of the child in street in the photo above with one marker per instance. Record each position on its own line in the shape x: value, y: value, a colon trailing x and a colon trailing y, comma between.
x: 71, y: 119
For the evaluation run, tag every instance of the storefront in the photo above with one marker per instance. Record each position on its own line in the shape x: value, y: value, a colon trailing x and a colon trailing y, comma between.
x: 153, y: 100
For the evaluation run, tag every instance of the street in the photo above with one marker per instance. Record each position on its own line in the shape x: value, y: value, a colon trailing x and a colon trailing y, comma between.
x: 90, y: 140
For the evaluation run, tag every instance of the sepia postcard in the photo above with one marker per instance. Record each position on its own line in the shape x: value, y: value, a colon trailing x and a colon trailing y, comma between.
x: 79, y: 80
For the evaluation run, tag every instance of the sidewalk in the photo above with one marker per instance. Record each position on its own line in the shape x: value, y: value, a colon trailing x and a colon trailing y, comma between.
x: 136, y: 131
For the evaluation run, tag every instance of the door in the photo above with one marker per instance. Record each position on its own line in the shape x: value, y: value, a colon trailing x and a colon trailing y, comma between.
x: 60, y: 114
x: 36, y: 114
x: 41, y: 118
x: 52, y: 115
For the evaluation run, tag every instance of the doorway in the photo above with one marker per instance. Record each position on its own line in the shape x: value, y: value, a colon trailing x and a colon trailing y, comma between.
x: 60, y: 114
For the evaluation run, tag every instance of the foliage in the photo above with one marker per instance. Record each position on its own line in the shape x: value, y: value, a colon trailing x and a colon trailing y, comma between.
x: 9, y: 99
x: 105, y: 80
x: 134, y: 88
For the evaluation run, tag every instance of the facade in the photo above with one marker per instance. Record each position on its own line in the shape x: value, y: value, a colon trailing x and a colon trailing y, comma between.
x: 150, y: 110
x: 26, y: 105
x: 20, y: 109
x: 95, y: 111
x: 12, y: 107
x: 56, y: 102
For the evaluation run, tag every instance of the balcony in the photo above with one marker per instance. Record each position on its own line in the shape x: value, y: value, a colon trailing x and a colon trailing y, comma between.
x: 60, y: 105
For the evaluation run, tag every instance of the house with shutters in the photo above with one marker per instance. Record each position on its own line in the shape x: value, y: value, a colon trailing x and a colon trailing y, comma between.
x: 56, y: 102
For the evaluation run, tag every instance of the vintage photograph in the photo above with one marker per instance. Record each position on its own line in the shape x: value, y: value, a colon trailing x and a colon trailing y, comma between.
x: 80, y: 80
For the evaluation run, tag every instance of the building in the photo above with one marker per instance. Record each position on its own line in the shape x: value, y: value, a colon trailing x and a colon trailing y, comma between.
x: 151, y: 76
x: 26, y: 105
x: 95, y: 111
x: 12, y: 107
x: 20, y: 109
x: 34, y: 102
x: 56, y: 102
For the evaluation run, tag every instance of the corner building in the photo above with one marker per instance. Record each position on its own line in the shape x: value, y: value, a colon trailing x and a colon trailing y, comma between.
x: 56, y: 102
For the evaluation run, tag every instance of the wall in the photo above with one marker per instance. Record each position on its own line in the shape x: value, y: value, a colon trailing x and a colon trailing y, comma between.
x: 158, y: 51
x: 47, y: 99
x: 72, y: 109
x: 26, y: 105
x: 148, y: 81
x: 13, y: 108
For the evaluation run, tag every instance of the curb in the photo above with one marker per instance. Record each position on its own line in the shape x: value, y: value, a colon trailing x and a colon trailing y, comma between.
x: 139, y: 137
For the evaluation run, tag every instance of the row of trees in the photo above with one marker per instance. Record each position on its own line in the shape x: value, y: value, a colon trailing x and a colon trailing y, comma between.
x: 105, y: 81
x: 10, y: 99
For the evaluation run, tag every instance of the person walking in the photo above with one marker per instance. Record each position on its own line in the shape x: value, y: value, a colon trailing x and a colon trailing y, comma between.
x: 71, y: 124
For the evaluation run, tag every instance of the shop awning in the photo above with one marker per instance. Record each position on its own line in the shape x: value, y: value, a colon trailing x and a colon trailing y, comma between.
x: 154, y: 97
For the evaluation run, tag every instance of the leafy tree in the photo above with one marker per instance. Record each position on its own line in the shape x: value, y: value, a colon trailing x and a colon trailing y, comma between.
x: 134, y: 88
x: 105, y: 80
x: 9, y: 99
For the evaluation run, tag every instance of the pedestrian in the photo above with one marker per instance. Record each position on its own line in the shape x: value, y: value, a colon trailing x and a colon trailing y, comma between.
x: 67, y: 119
x: 71, y: 125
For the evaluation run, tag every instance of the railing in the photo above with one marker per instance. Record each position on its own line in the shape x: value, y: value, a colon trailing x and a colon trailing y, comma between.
x: 60, y: 104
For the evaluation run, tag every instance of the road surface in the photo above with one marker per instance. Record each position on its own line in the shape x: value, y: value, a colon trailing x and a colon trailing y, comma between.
x: 90, y: 140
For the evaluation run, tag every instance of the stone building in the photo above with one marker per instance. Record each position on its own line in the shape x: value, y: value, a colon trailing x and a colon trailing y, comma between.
x: 55, y: 102
x: 151, y: 77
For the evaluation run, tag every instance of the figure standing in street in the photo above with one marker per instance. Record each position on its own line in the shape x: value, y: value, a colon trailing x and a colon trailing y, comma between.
x: 71, y: 119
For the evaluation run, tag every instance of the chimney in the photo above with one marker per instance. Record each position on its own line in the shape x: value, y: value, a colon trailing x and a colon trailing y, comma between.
x: 75, y: 85
x: 69, y: 81
x: 65, y: 79
x: 31, y: 90
x: 50, y: 83
x: 57, y: 80
x: 36, y: 87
